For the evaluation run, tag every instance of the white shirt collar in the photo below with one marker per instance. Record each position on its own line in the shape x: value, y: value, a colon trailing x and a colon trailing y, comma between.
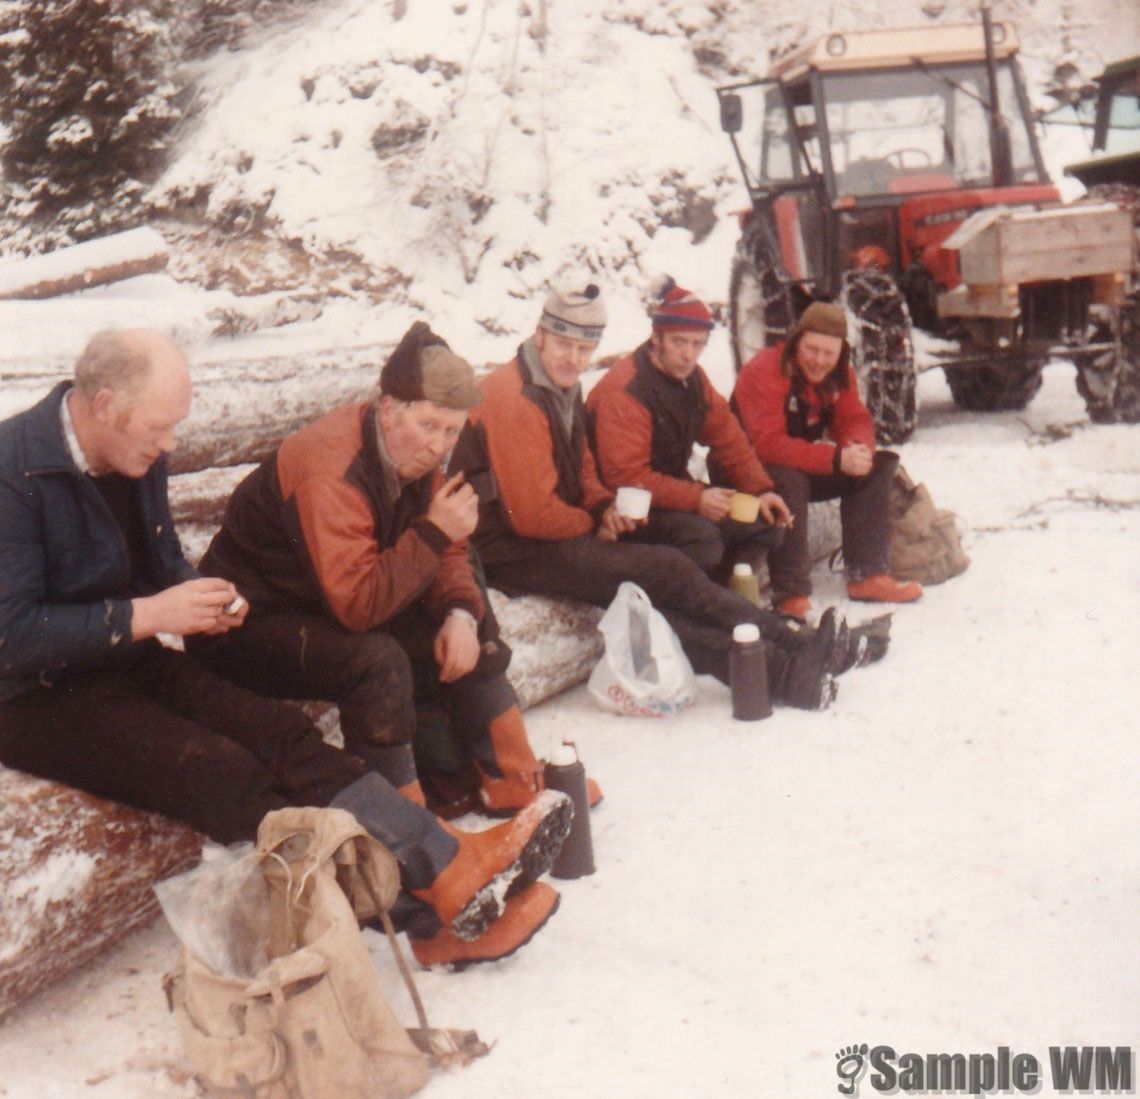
x: 77, y: 455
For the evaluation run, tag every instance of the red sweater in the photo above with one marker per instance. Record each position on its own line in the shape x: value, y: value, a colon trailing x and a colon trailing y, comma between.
x: 645, y: 424
x: 774, y: 416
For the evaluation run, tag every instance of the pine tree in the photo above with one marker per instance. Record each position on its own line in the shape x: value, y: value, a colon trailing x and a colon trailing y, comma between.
x: 88, y: 95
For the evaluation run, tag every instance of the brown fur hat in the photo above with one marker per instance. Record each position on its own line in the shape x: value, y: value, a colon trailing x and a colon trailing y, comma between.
x: 423, y: 368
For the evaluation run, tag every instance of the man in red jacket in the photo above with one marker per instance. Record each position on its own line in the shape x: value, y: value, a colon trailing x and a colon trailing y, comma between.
x: 800, y: 406
x: 646, y: 414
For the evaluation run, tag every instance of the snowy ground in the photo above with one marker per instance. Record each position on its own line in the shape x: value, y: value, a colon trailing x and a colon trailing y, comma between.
x: 946, y: 861
x: 943, y: 862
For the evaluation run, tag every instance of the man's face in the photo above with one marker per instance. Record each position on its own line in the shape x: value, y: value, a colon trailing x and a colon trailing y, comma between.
x: 563, y: 358
x: 134, y: 431
x: 817, y: 355
x: 419, y: 435
x: 678, y: 350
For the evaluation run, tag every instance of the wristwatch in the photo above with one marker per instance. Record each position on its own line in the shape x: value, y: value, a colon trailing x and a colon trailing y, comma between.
x: 466, y: 615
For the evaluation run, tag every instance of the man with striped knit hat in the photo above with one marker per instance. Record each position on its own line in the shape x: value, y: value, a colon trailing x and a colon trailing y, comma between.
x: 646, y: 414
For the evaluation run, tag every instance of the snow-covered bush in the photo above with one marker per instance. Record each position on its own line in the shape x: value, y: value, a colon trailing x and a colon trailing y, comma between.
x: 88, y: 97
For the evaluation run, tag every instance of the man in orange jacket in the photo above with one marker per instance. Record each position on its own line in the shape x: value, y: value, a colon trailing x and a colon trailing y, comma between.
x: 352, y: 552
x: 800, y: 406
x: 646, y: 414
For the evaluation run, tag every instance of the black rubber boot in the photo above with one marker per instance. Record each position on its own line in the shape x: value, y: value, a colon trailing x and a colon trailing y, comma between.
x: 803, y: 677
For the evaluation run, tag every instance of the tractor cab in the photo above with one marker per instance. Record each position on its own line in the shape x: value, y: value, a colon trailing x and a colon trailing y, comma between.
x: 869, y: 148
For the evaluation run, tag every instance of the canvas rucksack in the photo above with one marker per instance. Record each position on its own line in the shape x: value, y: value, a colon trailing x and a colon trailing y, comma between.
x: 312, y: 1023
x: 925, y: 544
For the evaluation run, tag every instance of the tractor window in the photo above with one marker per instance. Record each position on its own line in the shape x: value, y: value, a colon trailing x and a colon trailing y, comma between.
x: 919, y: 129
x: 776, y: 157
x: 1123, y: 134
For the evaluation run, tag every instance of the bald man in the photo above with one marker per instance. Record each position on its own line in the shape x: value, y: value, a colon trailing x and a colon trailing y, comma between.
x: 91, y: 571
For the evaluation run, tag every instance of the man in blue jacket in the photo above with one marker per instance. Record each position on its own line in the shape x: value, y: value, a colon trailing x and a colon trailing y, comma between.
x: 91, y: 572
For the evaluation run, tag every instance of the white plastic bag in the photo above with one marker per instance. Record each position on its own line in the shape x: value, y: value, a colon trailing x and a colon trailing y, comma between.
x: 219, y: 910
x: 644, y: 671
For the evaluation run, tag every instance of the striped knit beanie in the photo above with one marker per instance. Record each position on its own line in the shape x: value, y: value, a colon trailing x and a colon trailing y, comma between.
x: 675, y: 307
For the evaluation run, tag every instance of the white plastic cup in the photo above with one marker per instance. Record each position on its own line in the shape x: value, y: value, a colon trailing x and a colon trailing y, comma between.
x: 633, y: 502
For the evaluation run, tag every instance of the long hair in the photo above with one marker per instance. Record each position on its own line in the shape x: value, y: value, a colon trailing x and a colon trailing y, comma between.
x: 837, y: 377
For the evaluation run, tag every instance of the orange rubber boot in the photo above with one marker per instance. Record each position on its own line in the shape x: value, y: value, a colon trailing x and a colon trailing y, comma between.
x: 793, y: 606
x: 524, y: 915
x: 883, y: 589
x: 518, y: 782
x: 492, y: 866
x: 414, y: 792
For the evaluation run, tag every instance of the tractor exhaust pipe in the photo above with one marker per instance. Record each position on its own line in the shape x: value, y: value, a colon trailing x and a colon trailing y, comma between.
x: 1001, y: 157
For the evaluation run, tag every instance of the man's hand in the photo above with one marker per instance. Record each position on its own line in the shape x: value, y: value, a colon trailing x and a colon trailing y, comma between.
x: 456, y: 648
x: 855, y: 460
x: 613, y: 523
x: 715, y: 503
x: 774, y: 510
x: 455, y: 509
x: 194, y: 606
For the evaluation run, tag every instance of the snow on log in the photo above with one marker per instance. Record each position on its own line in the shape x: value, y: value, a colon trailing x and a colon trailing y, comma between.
x: 555, y: 643
x: 75, y: 876
x: 244, y: 407
x: 81, y: 266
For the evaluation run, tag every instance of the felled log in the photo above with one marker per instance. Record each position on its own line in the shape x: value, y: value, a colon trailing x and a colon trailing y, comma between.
x: 75, y: 876
x: 81, y: 266
x: 243, y: 406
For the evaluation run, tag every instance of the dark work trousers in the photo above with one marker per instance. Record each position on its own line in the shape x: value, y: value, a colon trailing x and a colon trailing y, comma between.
x: 170, y: 736
x: 701, y: 612
x: 715, y: 547
x: 375, y: 677
x: 864, y: 511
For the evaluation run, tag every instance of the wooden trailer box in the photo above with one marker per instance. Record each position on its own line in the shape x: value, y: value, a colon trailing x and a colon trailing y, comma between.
x: 1009, y: 246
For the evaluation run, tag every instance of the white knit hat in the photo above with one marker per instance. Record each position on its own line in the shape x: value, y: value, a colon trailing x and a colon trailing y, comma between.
x: 575, y: 311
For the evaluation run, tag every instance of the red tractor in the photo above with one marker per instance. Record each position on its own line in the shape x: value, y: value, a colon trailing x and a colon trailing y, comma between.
x: 899, y: 173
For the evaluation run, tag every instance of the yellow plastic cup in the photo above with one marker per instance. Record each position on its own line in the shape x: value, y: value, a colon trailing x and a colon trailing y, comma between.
x: 744, y: 507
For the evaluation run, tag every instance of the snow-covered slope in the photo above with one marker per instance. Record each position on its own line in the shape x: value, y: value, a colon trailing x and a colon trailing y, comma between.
x: 449, y: 161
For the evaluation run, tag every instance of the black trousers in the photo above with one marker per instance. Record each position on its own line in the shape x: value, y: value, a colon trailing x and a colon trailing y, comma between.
x: 701, y: 612
x: 715, y: 547
x: 170, y: 736
x: 864, y: 510
x: 375, y: 677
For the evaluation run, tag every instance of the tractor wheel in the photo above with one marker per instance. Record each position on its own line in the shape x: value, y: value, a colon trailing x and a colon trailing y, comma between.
x: 760, y: 303
x: 1112, y: 389
x: 994, y: 388
x: 1008, y: 385
x: 1110, y: 384
x: 882, y: 352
